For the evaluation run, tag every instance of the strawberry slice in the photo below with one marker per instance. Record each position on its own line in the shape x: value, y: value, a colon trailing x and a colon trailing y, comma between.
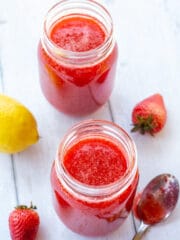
x: 149, y: 115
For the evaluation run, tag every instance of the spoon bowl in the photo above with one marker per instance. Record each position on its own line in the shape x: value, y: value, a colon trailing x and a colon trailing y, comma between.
x: 156, y: 202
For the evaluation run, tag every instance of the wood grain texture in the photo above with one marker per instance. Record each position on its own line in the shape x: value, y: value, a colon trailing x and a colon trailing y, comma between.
x: 148, y: 36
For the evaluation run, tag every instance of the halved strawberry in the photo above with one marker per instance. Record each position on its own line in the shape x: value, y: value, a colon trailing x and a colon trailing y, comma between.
x: 149, y: 115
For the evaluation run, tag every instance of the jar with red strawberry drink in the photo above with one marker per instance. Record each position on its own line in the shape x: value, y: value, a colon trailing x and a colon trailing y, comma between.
x: 77, y: 56
x: 94, y: 177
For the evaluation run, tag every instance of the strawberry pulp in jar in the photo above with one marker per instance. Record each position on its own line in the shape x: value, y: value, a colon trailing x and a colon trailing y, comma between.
x: 94, y: 177
x: 77, y: 56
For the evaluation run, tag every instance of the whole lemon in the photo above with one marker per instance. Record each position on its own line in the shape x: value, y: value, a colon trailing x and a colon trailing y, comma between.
x: 18, y: 127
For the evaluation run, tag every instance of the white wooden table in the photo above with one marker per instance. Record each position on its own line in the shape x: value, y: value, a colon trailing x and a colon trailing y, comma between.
x: 148, y: 36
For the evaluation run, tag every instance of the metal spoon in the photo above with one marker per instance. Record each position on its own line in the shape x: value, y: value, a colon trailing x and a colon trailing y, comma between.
x: 156, y: 202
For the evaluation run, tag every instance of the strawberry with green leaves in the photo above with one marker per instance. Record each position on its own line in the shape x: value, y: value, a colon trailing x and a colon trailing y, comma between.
x: 24, y: 223
x: 149, y: 115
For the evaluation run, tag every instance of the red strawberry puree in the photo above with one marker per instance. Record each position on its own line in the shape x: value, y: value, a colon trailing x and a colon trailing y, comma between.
x: 96, y: 162
x: 74, y: 87
x: 77, y: 34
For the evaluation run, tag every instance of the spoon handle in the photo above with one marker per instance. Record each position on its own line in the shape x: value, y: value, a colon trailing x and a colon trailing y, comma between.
x: 141, y: 231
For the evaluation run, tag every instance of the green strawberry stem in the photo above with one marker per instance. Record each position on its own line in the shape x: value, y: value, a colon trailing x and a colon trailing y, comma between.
x: 144, y: 125
x: 26, y: 207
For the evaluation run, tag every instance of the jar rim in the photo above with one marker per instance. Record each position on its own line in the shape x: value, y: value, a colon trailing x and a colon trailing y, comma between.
x: 66, y: 55
x: 101, y: 190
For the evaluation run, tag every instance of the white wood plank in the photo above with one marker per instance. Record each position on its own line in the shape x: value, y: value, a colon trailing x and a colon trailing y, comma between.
x: 149, y: 62
x: 7, y: 187
x: 7, y: 194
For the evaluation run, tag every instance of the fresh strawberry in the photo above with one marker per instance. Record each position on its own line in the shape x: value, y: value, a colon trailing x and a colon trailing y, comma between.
x: 149, y: 115
x: 24, y: 223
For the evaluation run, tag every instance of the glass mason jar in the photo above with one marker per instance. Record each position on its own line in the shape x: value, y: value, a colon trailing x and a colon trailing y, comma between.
x: 77, y: 56
x: 92, y: 194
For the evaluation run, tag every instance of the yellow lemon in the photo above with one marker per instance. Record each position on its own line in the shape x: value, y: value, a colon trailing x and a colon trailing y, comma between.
x: 18, y: 127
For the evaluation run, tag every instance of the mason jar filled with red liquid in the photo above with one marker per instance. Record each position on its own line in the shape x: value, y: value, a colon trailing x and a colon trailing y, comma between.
x: 94, y: 177
x: 77, y: 56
